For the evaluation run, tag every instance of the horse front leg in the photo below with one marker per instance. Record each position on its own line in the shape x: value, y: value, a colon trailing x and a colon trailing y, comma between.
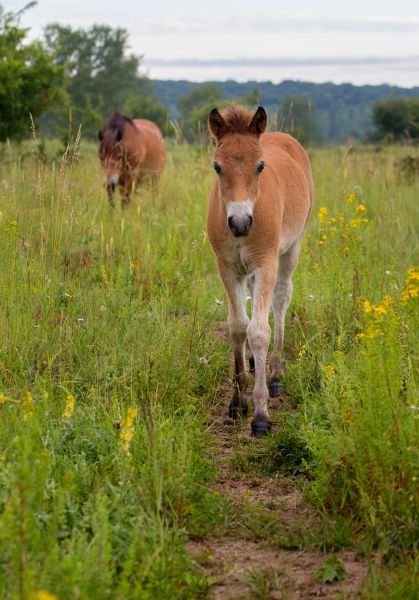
x: 125, y: 189
x: 280, y: 303
x: 238, y: 322
x: 259, y: 333
x: 110, y: 190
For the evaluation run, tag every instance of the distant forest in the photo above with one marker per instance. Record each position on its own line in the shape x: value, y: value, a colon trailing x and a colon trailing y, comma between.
x: 343, y: 111
x: 75, y: 78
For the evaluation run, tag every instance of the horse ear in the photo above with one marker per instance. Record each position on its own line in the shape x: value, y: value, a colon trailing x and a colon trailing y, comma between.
x: 119, y: 134
x: 259, y: 122
x: 216, y: 124
x: 100, y: 135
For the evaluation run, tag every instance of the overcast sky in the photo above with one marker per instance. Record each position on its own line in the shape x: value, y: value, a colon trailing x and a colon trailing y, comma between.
x: 360, y: 41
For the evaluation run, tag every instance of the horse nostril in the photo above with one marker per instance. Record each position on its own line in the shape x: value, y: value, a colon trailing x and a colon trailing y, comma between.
x: 230, y: 222
x: 250, y: 221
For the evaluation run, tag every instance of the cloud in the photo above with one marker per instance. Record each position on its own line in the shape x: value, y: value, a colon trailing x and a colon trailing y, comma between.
x: 402, y: 71
x: 273, y: 24
x: 393, y: 61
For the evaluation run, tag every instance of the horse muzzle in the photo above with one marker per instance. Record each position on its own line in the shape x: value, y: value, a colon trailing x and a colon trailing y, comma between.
x: 240, y: 218
x: 240, y: 226
x: 111, y: 183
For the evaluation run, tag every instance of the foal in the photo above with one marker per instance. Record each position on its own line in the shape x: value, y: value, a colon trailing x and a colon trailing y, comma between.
x: 258, y: 210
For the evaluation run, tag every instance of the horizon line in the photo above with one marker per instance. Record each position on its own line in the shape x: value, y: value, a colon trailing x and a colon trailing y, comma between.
x: 281, y: 61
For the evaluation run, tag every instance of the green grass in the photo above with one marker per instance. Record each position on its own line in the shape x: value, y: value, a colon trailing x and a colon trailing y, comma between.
x: 115, y: 309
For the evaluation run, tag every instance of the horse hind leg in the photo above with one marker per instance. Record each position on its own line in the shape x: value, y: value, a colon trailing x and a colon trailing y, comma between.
x: 280, y: 303
x: 238, y: 406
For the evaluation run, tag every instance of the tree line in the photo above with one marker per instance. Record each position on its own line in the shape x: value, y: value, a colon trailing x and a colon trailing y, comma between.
x: 76, y: 77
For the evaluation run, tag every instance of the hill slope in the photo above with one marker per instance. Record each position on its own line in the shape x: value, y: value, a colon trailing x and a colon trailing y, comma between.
x: 344, y: 111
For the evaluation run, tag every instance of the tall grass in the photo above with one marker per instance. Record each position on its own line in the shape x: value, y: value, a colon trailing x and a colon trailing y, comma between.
x: 355, y: 347
x: 108, y: 369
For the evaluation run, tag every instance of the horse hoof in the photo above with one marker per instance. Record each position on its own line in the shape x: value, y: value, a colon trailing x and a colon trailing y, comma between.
x: 237, y: 411
x: 276, y: 388
x: 261, y: 428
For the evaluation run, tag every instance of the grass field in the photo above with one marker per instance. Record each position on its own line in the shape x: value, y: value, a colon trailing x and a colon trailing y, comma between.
x: 109, y: 368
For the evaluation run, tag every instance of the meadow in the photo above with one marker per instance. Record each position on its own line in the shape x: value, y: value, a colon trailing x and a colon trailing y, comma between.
x: 110, y: 368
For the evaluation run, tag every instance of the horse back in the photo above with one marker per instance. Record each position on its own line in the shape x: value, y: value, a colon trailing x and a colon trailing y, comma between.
x: 285, y: 150
x: 289, y: 181
x: 152, y: 139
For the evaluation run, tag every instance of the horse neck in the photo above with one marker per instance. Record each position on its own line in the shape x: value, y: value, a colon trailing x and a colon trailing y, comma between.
x: 132, y: 137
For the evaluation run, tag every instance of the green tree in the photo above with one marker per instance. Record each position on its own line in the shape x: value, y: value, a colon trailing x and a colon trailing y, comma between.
x: 30, y: 82
x: 147, y: 107
x: 297, y: 117
x: 101, y: 76
x: 396, y: 119
x: 195, y: 106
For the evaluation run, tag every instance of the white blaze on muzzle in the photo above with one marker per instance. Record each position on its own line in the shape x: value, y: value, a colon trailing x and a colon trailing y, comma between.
x: 113, y: 180
x: 240, y: 217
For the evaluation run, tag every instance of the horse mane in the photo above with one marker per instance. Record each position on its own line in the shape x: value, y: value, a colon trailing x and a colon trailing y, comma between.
x: 117, y: 121
x: 115, y: 124
x: 237, y: 118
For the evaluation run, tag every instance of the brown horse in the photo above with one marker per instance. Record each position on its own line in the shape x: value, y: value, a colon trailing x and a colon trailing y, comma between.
x: 258, y: 211
x: 130, y: 150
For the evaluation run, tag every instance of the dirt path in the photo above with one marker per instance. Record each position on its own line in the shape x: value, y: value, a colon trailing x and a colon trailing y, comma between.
x: 253, y: 555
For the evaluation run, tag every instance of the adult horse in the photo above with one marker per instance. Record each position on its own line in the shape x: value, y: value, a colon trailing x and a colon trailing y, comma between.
x: 130, y: 150
x: 258, y: 211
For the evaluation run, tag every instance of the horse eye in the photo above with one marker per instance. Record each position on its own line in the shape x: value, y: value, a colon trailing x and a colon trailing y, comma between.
x: 217, y: 167
x: 260, y: 166
x: 120, y: 157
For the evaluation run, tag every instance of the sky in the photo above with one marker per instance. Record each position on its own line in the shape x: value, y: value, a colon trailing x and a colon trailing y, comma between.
x: 359, y: 42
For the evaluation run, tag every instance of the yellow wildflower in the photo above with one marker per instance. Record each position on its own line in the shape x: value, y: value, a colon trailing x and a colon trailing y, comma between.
x: 329, y: 373
x: 2, y: 399
x: 360, y: 209
x: 42, y: 595
x: 104, y: 275
x: 348, y: 417
x: 2, y: 458
x: 368, y: 334
x: 382, y: 309
x: 27, y: 403
x: 127, y: 429
x: 69, y: 407
x: 27, y: 398
x: 323, y: 212
x: 413, y: 274
x: 302, y: 352
x: 368, y: 307
x: 411, y: 288
x: 350, y: 198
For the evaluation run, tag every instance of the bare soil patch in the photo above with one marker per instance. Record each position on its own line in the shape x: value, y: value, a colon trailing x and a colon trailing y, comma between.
x: 245, y: 560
